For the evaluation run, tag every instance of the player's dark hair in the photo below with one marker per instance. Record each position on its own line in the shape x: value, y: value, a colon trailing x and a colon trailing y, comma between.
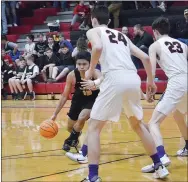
x: 162, y: 25
x: 31, y: 37
x: 84, y: 55
x: 101, y: 13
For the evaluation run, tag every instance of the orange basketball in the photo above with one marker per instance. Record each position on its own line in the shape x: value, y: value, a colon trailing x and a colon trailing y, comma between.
x: 48, y: 129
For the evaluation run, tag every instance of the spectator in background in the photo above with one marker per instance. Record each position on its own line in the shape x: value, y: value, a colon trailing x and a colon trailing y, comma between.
x: 8, y: 46
x: 40, y: 46
x: 81, y: 45
x: 3, y: 18
x: 30, y: 46
x: 66, y: 64
x: 39, y: 50
x: 115, y: 8
x: 52, y: 44
x: 62, y: 41
x: 64, y: 5
x: 16, y: 88
x: 50, y: 61
x: 6, y: 73
x: 142, y: 40
x: 6, y: 56
x: 80, y: 13
x: 125, y: 31
x: 30, y: 76
x: 182, y: 28
x: 11, y: 12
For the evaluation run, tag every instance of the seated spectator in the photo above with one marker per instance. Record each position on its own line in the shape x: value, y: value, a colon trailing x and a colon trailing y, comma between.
x: 15, y: 82
x: 142, y: 40
x: 80, y: 13
x: 30, y: 76
x: 62, y: 41
x: 6, y: 56
x: 39, y: 50
x: 81, y: 45
x: 8, y: 46
x: 52, y: 44
x: 40, y: 46
x: 115, y: 8
x: 50, y: 61
x: 6, y: 72
x: 125, y: 31
x: 182, y: 28
x: 30, y: 46
x: 11, y: 12
x: 66, y: 64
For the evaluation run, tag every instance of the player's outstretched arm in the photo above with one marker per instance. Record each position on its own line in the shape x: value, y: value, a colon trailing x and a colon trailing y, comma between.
x: 65, y: 95
x: 93, y: 36
x: 135, y: 51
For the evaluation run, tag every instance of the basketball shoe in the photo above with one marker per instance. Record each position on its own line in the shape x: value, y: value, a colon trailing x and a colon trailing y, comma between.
x: 150, y: 168
x: 93, y: 180
x: 77, y: 157
x: 182, y: 152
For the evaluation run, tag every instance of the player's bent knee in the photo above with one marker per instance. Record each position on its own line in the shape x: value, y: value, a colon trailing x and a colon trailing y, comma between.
x: 83, y: 117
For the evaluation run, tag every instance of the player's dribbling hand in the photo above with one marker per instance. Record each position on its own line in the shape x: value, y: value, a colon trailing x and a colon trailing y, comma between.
x: 53, y: 118
x: 88, y: 74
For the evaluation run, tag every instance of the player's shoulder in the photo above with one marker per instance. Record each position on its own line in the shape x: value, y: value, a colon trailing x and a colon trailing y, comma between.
x: 155, y: 45
x: 71, y: 75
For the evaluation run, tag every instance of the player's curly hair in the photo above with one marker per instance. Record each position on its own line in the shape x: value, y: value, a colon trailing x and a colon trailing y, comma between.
x: 162, y: 25
x: 101, y: 13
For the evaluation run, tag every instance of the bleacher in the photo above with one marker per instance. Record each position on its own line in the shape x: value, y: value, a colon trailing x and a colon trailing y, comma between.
x: 40, y: 17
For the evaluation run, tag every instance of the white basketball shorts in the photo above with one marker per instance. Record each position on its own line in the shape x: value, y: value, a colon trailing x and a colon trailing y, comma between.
x: 119, y: 89
x: 175, y: 97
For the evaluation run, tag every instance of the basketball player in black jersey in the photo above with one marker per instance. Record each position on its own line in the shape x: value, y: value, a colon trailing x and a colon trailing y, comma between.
x: 82, y: 100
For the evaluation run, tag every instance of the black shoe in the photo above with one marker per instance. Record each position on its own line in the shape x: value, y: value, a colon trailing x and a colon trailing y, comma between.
x: 32, y: 95
x: 14, y: 96
x: 21, y: 95
x: 4, y: 94
x: 70, y: 143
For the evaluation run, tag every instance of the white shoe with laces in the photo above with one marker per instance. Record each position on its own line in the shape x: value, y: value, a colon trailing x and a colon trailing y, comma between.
x: 77, y: 157
x: 150, y: 168
x: 96, y: 180
x: 182, y: 152
x: 161, y: 172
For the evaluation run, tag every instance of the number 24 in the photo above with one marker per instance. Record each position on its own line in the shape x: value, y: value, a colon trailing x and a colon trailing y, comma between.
x: 113, y: 38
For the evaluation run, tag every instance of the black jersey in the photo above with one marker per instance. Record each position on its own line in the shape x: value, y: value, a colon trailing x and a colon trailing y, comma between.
x: 81, y: 93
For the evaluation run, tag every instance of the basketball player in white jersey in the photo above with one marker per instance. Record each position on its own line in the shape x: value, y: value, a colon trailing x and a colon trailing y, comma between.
x: 172, y: 56
x: 120, y: 87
